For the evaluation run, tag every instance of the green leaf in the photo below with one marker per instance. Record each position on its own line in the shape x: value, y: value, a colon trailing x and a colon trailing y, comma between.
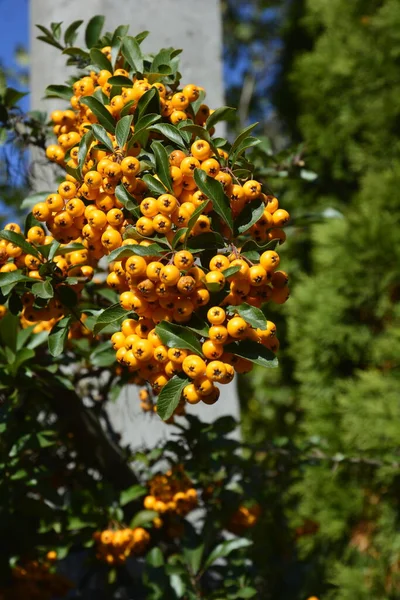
x: 9, y: 280
x: 253, y: 351
x: 178, y: 235
x: 70, y: 33
x: 193, y: 556
x: 149, y: 103
x: 61, y: 250
x: 137, y: 250
x: 8, y: 330
x: 195, y: 216
x: 143, y: 124
x: 43, y: 289
x: 230, y: 271
x: 58, y: 336
x: 246, y: 592
x: 12, y: 96
x: 169, y: 131
x: 67, y: 295
x: 155, y: 559
x: 100, y: 60
x: 126, y: 110
x: 84, y: 146
x: 141, y: 36
x: 224, y: 113
x: 250, y: 214
x: 214, y: 191
x: 248, y: 142
x: 19, y: 240
x: 205, y: 241
x: 58, y: 91
x: 225, y: 548
x: 30, y: 201
x: 127, y: 200
x: 177, y: 336
x: 93, y: 30
x: 170, y: 394
x: 155, y: 186
x: 143, y: 517
x: 109, y: 316
x: 103, y: 356
x: 178, y: 584
x: 252, y: 245
x: 116, y: 43
x: 243, y: 135
x: 135, y: 491
x: 251, y: 314
x: 162, y: 164
x: 99, y: 110
x: 132, y: 53
x: 101, y: 135
x: 123, y: 130
x: 200, y: 132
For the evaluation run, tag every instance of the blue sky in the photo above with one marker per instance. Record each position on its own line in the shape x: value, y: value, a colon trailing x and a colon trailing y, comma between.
x: 14, y: 31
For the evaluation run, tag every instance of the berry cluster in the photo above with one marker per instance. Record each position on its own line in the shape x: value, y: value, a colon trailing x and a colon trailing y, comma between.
x: 171, y: 493
x: 153, y: 217
x: 33, y: 581
x: 114, y: 546
x: 244, y: 518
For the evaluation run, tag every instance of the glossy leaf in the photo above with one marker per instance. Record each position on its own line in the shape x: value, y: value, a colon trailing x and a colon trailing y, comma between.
x: 251, y: 314
x: 19, y: 240
x: 214, y: 191
x: 137, y: 250
x: 155, y: 186
x: 225, y: 548
x: 100, y: 111
x: 162, y: 164
x: 253, y: 351
x: 248, y: 142
x: 58, y: 336
x: 177, y: 336
x: 100, y: 60
x: 250, y: 214
x: 58, y: 91
x: 111, y: 315
x: 170, y: 394
x: 127, y: 200
x: 135, y: 491
x: 224, y: 113
x: 84, y: 146
x: 195, y: 217
x: 100, y: 134
x: 132, y: 53
x: 143, y: 517
x: 123, y: 130
x: 70, y: 33
x: 93, y: 30
x: 43, y: 289
x: 170, y: 132
x: 243, y: 135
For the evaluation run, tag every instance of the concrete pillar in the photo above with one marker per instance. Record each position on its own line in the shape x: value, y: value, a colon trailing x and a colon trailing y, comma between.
x: 188, y: 24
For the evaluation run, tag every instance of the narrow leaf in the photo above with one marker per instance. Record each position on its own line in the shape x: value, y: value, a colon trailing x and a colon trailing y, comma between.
x: 135, y: 491
x: 143, y: 517
x: 214, y: 191
x: 19, y: 240
x: 132, y: 53
x: 253, y: 351
x: 244, y: 134
x: 155, y: 186
x: 58, y: 91
x: 224, y: 549
x: 224, y: 113
x: 170, y: 132
x: 102, y: 114
x: 100, y: 60
x: 162, y: 164
x: 137, y: 250
x: 177, y: 336
x: 71, y: 32
x: 101, y: 135
x: 127, y: 200
x: 84, y: 146
x: 58, y: 336
x: 251, y: 314
x: 122, y: 130
x: 109, y: 316
x: 250, y: 214
x: 93, y: 30
x: 170, y: 396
